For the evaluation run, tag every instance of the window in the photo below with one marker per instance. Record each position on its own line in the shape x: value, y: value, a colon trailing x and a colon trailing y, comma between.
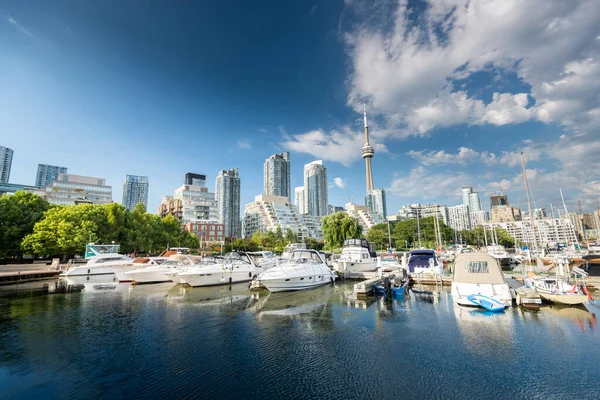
x: 476, y: 267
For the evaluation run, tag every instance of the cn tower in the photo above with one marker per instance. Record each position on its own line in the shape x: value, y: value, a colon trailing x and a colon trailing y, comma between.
x: 367, y: 154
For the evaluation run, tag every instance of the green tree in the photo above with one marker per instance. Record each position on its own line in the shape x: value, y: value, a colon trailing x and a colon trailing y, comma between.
x: 339, y: 227
x: 290, y: 237
x: 378, y: 234
x: 314, y: 244
x: 244, y: 245
x: 18, y: 215
x: 406, y: 233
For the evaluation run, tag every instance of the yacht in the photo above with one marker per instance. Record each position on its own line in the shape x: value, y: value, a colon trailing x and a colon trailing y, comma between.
x: 234, y: 267
x: 358, y: 256
x: 479, y: 274
x: 388, y: 262
x: 103, y: 264
x: 305, y: 269
x: 558, y: 289
x: 501, y: 255
x: 290, y: 248
x: 424, y: 261
x: 264, y: 259
x: 155, y: 272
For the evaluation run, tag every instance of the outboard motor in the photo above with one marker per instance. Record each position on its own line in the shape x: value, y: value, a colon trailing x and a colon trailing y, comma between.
x: 386, y: 282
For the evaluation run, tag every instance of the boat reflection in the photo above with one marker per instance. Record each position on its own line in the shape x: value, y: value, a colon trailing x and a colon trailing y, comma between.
x: 579, y: 315
x: 232, y: 297
x: 93, y: 284
x: 303, y: 305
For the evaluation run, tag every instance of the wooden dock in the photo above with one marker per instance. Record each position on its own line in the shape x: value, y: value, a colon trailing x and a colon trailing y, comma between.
x: 12, y: 277
x: 526, y: 297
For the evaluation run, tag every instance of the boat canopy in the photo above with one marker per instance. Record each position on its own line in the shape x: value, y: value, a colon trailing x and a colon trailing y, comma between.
x: 477, y: 268
x: 357, y: 242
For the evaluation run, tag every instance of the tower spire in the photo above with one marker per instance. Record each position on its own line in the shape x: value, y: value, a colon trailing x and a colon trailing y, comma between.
x: 365, y: 109
x: 367, y: 154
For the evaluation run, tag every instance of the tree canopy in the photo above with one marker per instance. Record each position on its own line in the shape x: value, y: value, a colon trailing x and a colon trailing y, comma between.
x: 476, y: 237
x: 406, y: 233
x: 65, y: 230
x: 18, y: 214
x: 378, y: 234
x: 338, y: 227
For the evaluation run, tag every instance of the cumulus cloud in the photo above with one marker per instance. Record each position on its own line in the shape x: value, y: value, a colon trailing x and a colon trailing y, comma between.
x: 339, y: 182
x: 343, y: 146
x: 406, y: 68
x: 422, y: 184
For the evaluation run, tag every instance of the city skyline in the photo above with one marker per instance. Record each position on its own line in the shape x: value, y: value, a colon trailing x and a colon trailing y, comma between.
x: 460, y: 120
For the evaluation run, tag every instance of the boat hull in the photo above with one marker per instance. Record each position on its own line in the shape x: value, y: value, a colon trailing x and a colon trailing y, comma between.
x: 118, y: 270
x: 293, y: 284
x: 567, y: 299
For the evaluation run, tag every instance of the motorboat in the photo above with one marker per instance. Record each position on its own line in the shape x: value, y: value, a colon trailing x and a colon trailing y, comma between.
x: 156, y: 272
x: 501, y: 255
x: 424, y: 262
x: 103, y: 264
x: 388, y: 262
x: 233, y: 268
x: 478, y: 281
x: 305, y: 269
x: 290, y: 248
x: 394, y: 286
x: 358, y: 256
x: 264, y: 259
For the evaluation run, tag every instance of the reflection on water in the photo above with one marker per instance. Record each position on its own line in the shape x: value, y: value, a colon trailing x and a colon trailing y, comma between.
x: 113, y: 340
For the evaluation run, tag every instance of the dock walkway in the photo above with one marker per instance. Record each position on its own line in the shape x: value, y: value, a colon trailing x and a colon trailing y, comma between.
x: 11, y: 274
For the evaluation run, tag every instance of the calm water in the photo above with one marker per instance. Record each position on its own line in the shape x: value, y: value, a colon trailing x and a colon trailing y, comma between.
x: 163, y: 341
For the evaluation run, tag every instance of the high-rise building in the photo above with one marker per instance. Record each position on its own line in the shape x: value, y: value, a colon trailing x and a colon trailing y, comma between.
x: 367, y: 153
x: 194, y: 179
x: 47, y: 173
x: 227, y: 195
x: 471, y: 199
x: 190, y: 203
x: 459, y: 217
x: 76, y: 189
x: 424, y: 211
x: 548, y: 230
x: 6, y: 156
x: 267, y: 213
x: 376, y: 200
x: 300, y: 199
x: 315, y: 187
x: 479, y: 218
x: 505, y: 214
x: 367, y: 218
x: 277, y: 175
x: 498, y: 200
x: 333, y: 209
x: 135, y: 191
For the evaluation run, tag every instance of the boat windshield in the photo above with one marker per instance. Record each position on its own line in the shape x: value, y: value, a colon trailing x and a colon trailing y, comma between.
x: 421, y: 258
x: 236, y: 257
x: 306, y: 257
x: 476, y: 267
x: 388, y: 259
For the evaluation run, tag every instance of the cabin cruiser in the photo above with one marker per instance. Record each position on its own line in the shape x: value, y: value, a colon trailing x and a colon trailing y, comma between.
x: 290, y: 248
x: 500, y: 254
x: 358, y: 256
x: 264, y: 259
x: 306, y: 269
x: 234, y: 267
x: 388, y: 262
x: 159, y: 272
x: 103, y: 264
x: 424, y: 262
x: 479, y: 274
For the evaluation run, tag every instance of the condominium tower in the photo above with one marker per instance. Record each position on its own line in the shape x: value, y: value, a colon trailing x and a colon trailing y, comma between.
x: 77, y: 189
x: 277, y: 175
x: 471, y: 199
x: 227, y: 195
x: 315, y: 188
x: 47, y: 173
x: 375, y: 199
x: 135, y: 191
x: 300, y: 199
x: 6, y: 156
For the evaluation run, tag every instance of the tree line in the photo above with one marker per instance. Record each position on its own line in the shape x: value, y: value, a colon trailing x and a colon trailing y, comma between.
x: 31, y: 226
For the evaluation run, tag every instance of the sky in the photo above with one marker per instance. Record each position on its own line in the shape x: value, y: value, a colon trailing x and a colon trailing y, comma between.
x: 455, y: 90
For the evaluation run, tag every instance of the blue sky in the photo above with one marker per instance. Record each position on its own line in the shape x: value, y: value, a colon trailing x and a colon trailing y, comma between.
x: 456, y: 89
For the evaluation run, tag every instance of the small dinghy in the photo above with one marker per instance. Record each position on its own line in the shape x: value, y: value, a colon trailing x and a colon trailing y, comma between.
x: 486, y: 302
x: 391, y: 286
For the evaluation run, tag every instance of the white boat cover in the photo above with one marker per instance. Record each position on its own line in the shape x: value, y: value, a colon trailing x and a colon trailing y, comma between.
x: 477, y: 268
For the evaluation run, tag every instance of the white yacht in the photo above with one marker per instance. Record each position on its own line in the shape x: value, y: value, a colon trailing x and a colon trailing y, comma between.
x: 103, y: 264
x: 305, y: 269
x: 358, y: 256
x: 479, y: 274
x: 389, y: 262
x: 290, y: 248
x: 234, y: 267
x: 501, y: 255
x: 155, y: 272
x: 558, y: 289
x: 264, y: 259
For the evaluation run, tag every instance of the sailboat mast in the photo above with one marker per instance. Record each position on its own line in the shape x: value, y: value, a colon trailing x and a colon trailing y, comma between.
x: 582, y: 224
x: 528, y: 200
x: 567, y: 216
x: 418, y: 227
x: 554, y: 222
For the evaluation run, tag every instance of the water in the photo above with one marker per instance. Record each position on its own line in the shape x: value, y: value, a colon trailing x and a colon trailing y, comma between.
x: 158, y: 341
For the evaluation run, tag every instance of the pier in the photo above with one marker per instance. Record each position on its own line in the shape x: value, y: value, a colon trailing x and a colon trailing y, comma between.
x: 525, y: 296
x: 11, y: 274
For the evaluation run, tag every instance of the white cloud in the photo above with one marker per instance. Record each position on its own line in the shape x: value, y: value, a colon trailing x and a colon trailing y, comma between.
x: 18, y: 26
x: 342, y: 146
x: 407, y: 72
x: 244, y: 144
x: 421, y: 184
x: 339, y: 182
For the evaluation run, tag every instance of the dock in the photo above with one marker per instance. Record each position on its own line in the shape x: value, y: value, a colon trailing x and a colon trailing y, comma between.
x: 12, y: 277
x: 365, y: 288
x: 526, y: 296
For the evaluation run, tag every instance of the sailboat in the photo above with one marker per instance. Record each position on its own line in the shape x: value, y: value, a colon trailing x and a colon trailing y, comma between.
x: 557, y: 289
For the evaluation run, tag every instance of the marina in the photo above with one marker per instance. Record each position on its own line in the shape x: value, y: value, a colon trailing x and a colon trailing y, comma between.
x: 165, y: 340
